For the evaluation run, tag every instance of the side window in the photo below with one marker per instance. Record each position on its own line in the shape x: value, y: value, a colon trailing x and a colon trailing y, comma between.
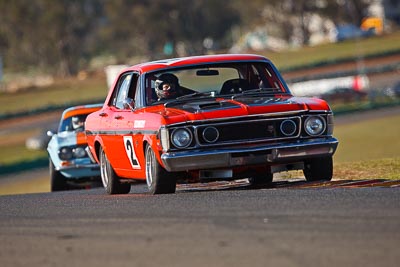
x: 122, y: 93
x: 132, y: 88
x: 126, y: 88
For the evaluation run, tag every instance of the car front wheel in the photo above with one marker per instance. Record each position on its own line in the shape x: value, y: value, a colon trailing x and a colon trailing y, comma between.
x: 318, y: 169
x: 159, y: 181
x: 57, y: 180
x: 110, y: 179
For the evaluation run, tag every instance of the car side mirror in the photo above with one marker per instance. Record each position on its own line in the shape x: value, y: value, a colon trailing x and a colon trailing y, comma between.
x: 129, y: 103
x: 50, y: 133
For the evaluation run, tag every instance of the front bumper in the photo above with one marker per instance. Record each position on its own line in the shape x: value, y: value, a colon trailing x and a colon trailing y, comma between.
x: 254, y: 155
x: 79, y: 168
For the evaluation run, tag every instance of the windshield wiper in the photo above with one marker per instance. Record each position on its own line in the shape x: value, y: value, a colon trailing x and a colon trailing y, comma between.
x: 195, y: 94
x: 184, y: 98
x: 263, y: 90
x: 258, y: 90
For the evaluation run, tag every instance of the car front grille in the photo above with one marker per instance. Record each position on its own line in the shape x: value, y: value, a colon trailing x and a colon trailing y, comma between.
x: 247, y: 131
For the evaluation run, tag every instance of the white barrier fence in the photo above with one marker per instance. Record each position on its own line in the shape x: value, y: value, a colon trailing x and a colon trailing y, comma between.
x: 319, y: 87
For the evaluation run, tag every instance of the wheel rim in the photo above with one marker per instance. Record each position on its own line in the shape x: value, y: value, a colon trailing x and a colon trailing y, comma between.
x: 104, y: 169
x: 149, y: 169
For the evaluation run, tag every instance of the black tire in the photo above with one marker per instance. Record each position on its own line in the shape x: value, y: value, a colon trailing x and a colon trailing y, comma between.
x: 110, y: 179
x: 319, y: 169
x: 57, y: 180
x: 261, y: 179
x: 159, y: 181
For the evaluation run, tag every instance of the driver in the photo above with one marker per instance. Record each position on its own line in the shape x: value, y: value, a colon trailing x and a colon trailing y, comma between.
x: 167, y: 86
x: 77, y: 123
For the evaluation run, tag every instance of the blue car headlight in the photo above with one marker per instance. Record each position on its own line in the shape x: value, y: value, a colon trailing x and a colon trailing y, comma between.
x: 65, y: 153
x: 68, y: 153
x: 79, y: 152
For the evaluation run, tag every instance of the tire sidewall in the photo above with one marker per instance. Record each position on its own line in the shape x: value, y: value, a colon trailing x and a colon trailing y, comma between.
x: 57, y: 180
x: 105, y: 171
x: 109, y: 178
x: 158, y: 180
x: 151, y: 174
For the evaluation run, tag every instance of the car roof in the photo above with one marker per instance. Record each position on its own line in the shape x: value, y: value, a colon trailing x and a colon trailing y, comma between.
x: 194, y: 60
x: 79, y: 110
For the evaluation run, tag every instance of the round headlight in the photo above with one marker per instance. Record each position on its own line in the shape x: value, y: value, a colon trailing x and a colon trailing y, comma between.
x: 181, y: 138
x: 79, y: 152
x: 314, y: 125
x: 288, y: 127
x: 65, y: 153
x: 210, y: 134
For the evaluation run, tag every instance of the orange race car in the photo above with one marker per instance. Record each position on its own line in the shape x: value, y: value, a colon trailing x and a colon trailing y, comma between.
x: 206, y: 118
x: 68, y: 160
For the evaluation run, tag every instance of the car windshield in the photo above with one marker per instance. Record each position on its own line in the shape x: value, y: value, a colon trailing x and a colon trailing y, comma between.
x: 217, y: 80
x: 73, y: 124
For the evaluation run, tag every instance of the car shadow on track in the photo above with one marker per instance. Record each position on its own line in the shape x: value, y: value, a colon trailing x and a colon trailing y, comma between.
x: 244, y: 184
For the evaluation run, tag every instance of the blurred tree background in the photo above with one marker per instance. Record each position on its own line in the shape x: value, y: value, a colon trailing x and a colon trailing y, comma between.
x: 63, y: 36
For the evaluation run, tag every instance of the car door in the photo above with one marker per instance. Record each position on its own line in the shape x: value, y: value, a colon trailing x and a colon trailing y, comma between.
x: 122, y: 142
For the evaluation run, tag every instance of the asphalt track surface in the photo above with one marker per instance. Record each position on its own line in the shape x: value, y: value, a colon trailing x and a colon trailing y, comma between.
x: 288, y: 224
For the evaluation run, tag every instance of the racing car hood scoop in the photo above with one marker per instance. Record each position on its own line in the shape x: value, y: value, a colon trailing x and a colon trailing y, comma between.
x: 200, y: 106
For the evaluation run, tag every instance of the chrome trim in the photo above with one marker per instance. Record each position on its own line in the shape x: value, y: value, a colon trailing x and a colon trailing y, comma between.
x: 320, y: 111
x: 288, y: 134
x: 90, y: 155
x: 164, y: 138
x: 78, y: 166
x: 238, y: 118
x: 241, y: 141
x: 204, y: 137
x: 248, y: 121
x: 233, y: 157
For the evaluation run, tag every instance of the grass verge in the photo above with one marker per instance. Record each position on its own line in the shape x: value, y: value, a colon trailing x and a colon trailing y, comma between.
x: 40, y: 185
x: 372, y: 139
x: 61, y: 93
x: 334, y: 52
x: 387, y: 168
x: 14, y: 154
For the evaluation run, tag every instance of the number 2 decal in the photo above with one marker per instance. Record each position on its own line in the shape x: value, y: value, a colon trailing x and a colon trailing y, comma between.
x: 130, y: 152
